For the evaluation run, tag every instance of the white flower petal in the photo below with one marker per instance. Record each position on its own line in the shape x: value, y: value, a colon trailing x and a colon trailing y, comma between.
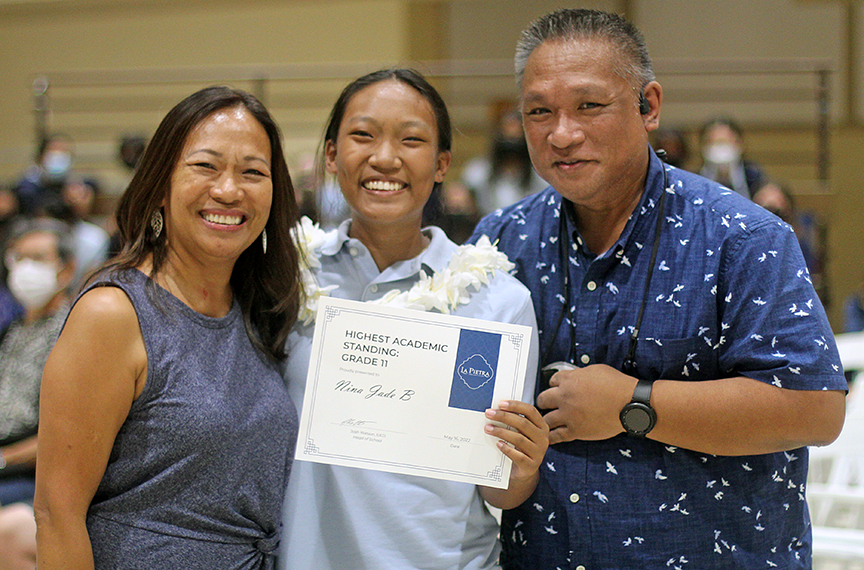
x: 470, y: 268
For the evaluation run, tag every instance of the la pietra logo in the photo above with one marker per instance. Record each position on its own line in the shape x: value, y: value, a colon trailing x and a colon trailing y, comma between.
x: 475, y: 372
x: 476, y: 366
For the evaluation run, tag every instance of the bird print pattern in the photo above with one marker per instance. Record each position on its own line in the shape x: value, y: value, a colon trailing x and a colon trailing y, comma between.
x: 713, y: 309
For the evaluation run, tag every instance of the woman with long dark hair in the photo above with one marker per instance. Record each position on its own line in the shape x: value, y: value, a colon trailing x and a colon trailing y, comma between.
x: 166, y: 432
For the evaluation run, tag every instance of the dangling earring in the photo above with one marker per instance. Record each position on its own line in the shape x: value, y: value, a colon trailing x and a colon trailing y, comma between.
x: 156, y: 224
x: 264, y: 240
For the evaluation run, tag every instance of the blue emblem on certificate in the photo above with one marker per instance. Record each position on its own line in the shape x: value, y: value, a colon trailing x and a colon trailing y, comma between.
x: 474, y: 376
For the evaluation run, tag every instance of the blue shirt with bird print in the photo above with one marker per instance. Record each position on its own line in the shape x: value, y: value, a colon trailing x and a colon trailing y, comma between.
x: 730, y: 296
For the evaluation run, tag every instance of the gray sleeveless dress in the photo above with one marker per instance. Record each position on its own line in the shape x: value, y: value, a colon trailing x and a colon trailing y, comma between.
x: 196, y: 477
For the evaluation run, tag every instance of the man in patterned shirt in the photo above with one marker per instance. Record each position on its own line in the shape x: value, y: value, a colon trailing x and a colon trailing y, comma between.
x: 684, y: 285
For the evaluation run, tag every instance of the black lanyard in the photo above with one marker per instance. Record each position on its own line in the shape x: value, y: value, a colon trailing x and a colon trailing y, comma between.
x: 629, y: 364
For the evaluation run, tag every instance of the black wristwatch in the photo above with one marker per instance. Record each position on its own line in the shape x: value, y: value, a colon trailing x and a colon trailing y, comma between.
x: 638, y: 417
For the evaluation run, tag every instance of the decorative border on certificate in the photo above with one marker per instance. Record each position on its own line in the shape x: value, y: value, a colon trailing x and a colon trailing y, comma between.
x: 405, y: 391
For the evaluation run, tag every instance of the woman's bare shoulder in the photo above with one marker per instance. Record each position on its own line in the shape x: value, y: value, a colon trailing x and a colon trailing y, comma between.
x: 105, y: 304
x: 102, y: 319
x: 101, y: 340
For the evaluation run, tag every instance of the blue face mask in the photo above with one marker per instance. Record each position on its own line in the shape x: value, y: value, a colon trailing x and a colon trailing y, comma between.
x: 56, y: 163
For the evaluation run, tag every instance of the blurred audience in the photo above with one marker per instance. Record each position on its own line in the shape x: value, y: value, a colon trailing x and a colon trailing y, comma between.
x: 130, y: 150
x: 40, y: 263
x: 130, y: 147
x: 8, y: 208
x: 92, y: 243
x: 304, y: 175
x: 777, y: 199
x: 318, y: 197
x: 723, y: 161
x: 50, y: 188
x: 505, y: 176
x: 853, y: 310
x: 453, y: 208
x: 10, y: 309
x: 39, y: 190
x: 331, y: 206
x: 674, y: 143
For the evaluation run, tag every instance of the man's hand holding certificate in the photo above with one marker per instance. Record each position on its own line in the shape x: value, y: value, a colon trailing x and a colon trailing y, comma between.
x: 406, y: 391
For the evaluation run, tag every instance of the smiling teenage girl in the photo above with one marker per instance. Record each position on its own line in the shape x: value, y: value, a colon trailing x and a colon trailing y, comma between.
x: 388, y: 145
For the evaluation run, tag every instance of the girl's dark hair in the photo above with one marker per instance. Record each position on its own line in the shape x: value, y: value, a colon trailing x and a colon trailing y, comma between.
x: 409, y: 77
x: 267, y: 288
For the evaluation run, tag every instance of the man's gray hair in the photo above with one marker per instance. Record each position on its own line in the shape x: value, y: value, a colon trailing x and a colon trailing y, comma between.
x: 579, y: 24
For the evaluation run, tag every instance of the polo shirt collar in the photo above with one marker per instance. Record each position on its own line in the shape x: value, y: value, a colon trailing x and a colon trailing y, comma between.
x: 434, y: 258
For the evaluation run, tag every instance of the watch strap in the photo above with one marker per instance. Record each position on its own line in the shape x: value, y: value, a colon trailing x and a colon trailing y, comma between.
x: 642, y: 392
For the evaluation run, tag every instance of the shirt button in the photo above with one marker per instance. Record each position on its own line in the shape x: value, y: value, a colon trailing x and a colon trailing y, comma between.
x: 591, y: 285
x: 585, y: 359
x: 580, y: 567
x: 373, y: 288
x: 353, y: 251
x: 574, y: 498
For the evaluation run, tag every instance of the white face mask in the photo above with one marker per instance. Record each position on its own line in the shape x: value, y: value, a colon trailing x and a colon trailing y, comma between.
x: 722, y: 153
x: 57, y: 163
x: 33, y: 283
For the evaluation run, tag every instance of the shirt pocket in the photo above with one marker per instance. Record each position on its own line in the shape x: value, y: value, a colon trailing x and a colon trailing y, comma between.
x: 675, y: 359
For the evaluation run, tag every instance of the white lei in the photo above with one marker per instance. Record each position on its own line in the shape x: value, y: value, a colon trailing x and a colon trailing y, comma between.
x: 469, y: 267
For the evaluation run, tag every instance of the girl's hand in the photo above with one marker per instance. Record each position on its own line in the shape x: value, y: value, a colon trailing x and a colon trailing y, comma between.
x: 525, y: 442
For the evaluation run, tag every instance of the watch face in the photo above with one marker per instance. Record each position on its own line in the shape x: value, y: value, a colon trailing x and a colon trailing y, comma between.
x: 637, y: 418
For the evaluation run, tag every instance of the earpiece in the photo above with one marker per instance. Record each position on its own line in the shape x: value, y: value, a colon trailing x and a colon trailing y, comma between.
x: 644, y: 105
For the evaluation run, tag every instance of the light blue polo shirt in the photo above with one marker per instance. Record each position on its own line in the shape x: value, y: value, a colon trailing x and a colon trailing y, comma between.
x: 342, y: 517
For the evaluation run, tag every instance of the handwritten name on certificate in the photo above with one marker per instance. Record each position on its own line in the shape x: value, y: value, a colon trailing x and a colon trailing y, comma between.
x: 405, y: 391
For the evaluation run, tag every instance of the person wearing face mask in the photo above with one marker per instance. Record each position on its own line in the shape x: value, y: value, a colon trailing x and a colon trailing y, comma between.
x: 722, y: 157
x: 39, y: 190
x: 40, y: 266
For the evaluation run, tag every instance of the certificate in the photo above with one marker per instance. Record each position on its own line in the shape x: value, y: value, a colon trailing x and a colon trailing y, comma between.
x: 405, y: 391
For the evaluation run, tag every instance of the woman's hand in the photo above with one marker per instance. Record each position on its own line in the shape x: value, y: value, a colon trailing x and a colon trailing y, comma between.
x: 524, y: 440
